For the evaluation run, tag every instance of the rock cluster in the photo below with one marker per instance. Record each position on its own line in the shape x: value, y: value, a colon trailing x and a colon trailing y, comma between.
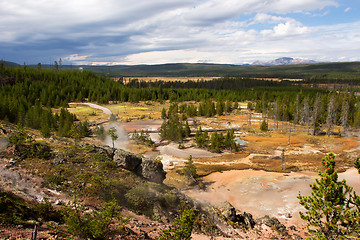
x: 273, y: 222
x: 144, y: 167
x: 229, y: 212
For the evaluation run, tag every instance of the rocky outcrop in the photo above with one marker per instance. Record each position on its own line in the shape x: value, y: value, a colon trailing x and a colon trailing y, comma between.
x: 108, y: 151
x: 229, y: 212
x: 273, y: 223
x: 127, y: 160
x: 144, y: 167
x: 151, y: 170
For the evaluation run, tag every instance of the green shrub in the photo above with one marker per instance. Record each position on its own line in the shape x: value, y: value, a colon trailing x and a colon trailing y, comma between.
x: 55, y: 180
x: 140, y: 198
x: 264, y: 126
x: 182, y: 228
x: 33, y: 150
x: 94, y: 225
x: 20, y: 136
x: 171, y: 199
x: 47, y: 212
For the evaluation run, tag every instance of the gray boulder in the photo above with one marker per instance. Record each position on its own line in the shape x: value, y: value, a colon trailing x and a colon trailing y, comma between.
x: 127, y: 160
x: 229, y: 212
x: 247, y: 219
x: 108, y: 151
x: 151, y: 170
x: 273, y: 223
x: 144, y: 167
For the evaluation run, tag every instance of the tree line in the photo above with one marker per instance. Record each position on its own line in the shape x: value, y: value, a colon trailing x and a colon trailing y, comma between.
x: 28, y: 94
x: 314, y: 111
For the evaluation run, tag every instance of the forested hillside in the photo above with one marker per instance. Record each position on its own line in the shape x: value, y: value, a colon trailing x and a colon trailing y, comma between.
x: 340, y: 72
x: 28, y: 94
x: 320, y: 72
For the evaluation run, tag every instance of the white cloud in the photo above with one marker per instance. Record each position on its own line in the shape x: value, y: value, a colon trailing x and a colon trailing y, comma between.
x: 159, y: 31
x: 289, y: 28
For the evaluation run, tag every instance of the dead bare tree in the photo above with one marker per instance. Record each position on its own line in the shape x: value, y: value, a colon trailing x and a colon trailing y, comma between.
x: 316, y: 113
x: 283, y: 160
x: 305, y: 113
x: 250, y: 113
x: 289, y: 134
x: 345, y: 114
x: 276, y: 113
x: 331, y: 114
x: 34, y: 234
x: 297, y: 109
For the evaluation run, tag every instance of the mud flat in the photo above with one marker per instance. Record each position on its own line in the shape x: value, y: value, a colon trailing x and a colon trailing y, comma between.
x: 264, y: 193
x: 172, y: 149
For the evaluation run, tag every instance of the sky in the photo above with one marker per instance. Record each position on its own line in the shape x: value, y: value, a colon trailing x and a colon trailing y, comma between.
x: 110, y: 32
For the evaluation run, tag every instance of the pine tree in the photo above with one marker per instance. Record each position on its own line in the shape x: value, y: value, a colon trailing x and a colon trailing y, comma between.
x: 45, y: 130
x: 220, y: 107
x: 333, y: 208
x: 187, y: 130
x: 190, y: 169
x: 163, y: 113
x: 264, y: 126
x: 182, y: 228
x: 113, y: 135
x: 75, y: 132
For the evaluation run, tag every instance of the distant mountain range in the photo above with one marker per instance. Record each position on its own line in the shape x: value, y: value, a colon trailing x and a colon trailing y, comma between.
x: 278, y: 68
x: 284, y: 61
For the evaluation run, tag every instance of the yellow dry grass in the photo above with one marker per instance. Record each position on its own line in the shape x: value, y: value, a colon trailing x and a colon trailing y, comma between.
x: 168, y: 79
x: 85, y: 113
x: 141, y: 110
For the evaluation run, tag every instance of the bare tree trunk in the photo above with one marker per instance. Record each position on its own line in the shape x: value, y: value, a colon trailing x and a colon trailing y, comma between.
x: 289, y: 134
x: 345, y: 115
x: 250, y: 113
x: 306, y: 113
x: 283, y: 163
x: 315, y: 113
x: 331, y: 115
x: 297, y: 109
x: 34, y: 234
x: 276, y: 113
